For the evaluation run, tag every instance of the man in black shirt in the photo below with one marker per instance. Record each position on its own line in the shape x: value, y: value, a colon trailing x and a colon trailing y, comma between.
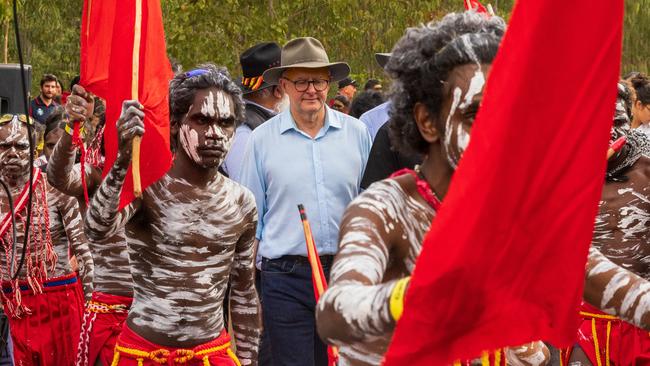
x: 384, y: 160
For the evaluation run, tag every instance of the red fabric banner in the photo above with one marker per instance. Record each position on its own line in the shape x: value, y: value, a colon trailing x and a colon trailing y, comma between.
x: 504, y: 261
x: 96, y: 35
x: 154, y: 71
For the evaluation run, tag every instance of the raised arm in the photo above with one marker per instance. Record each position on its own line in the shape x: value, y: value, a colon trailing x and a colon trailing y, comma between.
x: 62, y: 172
x: 616, y: 290
x: 73, y: 225
x: 103, y: 218
x: 355, y: 308
x: 244, y: 303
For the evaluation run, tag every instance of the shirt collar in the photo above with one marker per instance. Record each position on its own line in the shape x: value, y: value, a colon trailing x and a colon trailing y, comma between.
x: 331, y: 120
x: 39, y: 101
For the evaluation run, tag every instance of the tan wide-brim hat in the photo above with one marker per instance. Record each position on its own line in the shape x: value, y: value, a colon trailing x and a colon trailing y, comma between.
x: 306, y: 52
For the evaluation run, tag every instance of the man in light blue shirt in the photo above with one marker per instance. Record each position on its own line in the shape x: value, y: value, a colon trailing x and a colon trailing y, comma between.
x: 375, y: 118
x: 310, y: 155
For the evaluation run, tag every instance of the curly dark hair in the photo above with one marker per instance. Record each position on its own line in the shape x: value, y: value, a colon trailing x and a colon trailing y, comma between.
x: 422, y: 60
x: 183, y: 87
x: 365, y: 101
x: 641, y: 84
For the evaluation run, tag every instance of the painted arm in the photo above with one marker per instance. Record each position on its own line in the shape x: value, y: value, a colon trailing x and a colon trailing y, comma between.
x: 62, y: 172
x: 244, y: 303
x: 73, y: 226
x: 616, y: 290
x: 530, y: 354
x: 103, y: 218
x: 355, y: 308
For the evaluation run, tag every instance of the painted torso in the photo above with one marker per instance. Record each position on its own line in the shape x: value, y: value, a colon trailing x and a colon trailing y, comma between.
x: 622, y: 229
x: 57, y: 208
x: 392, y: 212
x: 182, y: 251
x: 381, y: 236
x: 66, y: 229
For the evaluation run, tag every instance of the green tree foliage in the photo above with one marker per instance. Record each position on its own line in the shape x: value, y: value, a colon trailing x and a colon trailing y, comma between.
x: 218, y: 31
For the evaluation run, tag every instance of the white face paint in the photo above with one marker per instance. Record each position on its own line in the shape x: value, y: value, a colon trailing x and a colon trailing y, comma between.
x: 208, y: 142
x: 207, y: 108
x: 462, y: 136
x: 190, y: 141
x: 223, y: 104
x: 451, y: 157
x: 14, y: 155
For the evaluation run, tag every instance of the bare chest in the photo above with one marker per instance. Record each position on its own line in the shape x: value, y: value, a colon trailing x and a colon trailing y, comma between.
x: 189, y: 226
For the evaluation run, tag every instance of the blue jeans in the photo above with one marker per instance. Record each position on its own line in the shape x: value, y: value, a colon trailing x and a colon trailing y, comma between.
x: 288, y: 306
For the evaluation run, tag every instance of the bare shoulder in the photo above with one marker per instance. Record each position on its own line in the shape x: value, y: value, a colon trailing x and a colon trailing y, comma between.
x: 382, y: 199
x: 241, y: 196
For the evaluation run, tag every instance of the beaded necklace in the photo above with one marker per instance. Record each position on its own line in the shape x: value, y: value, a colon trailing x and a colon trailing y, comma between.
x: 40, y: 257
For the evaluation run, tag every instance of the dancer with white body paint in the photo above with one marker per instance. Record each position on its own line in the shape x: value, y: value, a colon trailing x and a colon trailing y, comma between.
x: 382, y: 229
x: 45, y: 303
x: 69, y: 214
x: 112, y: 295
x: 192, y: 231
x: 622, y: 234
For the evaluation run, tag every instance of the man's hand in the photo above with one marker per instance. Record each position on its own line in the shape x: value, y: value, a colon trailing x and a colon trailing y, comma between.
x: 80, y: 104
x: 129, y: 125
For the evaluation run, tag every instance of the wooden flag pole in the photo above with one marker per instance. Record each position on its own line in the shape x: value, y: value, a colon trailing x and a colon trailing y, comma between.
x: 135, y: 75
x: 317, y: 274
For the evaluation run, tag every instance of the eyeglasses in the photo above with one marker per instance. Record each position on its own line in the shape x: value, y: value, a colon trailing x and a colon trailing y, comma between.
x: 6, y: 118
x: 303, y: 85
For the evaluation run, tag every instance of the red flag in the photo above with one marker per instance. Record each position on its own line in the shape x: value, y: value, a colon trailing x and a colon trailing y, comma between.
x: 475, y: 5
x: 504, y: 261
x: 139, y: 23
x: 96, y: 36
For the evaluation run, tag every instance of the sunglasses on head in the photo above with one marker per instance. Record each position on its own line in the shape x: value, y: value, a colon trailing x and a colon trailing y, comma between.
x: 6, y: 118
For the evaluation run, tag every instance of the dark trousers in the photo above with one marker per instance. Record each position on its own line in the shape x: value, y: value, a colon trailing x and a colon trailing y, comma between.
x: 288, y: 308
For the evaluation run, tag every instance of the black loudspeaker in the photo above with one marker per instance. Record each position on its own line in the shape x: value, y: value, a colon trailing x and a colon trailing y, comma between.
x: 11, y: 99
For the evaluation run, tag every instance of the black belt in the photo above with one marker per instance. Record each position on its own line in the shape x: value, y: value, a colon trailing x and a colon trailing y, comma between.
x: 325, y: 260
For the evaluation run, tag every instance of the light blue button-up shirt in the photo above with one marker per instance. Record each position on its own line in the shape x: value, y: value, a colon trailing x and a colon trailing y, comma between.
x: 233, y: 162
x: 376, y: 117
x: 284, y: 167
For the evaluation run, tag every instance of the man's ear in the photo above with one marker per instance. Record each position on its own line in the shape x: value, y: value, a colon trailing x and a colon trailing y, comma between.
x: 277, y: 92
x: 426, y: 123
x: 638, y: 104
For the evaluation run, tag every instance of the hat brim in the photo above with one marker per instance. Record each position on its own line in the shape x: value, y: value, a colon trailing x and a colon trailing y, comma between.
x: 338, y: 70
x: 246, y: 90
x: 382, y: 59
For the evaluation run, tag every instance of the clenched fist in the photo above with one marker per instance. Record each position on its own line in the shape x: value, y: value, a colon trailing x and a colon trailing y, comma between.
x: 129, y: 125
